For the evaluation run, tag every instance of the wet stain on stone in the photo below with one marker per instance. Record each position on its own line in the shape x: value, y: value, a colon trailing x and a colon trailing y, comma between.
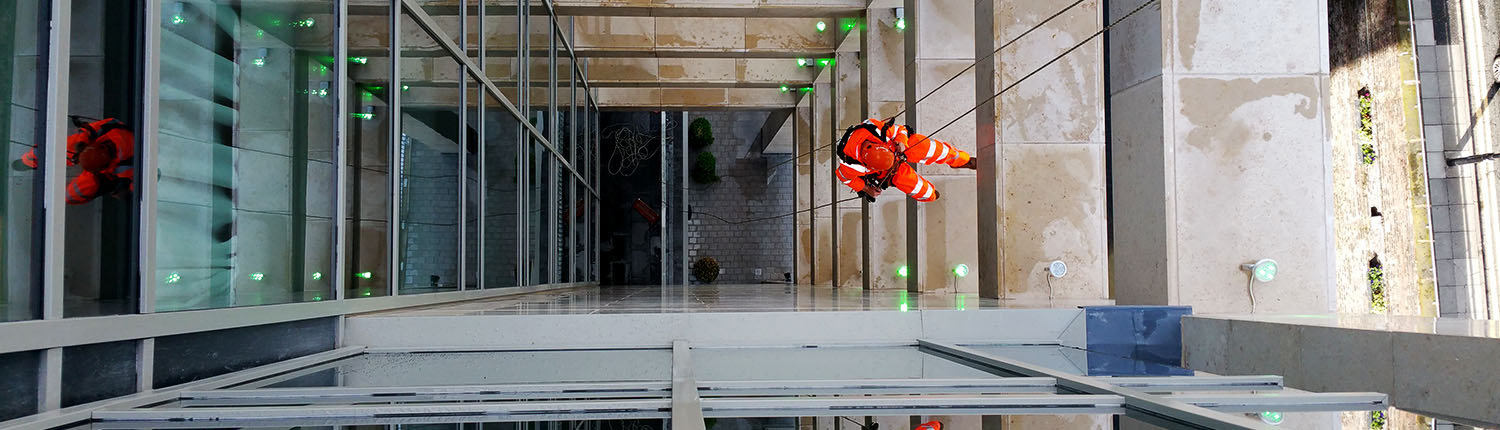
x: 1210, y: 105
x: 1187, y: 35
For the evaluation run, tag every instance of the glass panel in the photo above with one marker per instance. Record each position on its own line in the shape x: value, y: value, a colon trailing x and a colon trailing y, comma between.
x: 735, y: 364
x: 541, y: 216
x: 431, y: 141
x: 97, y: 372
x: 246, y: 139
x: 189, y: 357
x: 501, y: 168
x: 1081, y: 362
x: 538, y: 59
x: 19, y: 370
x: 562, y: 186
x: 22, y: 95
x: 502, y: 38
x: 528, y: 367
x: 368, y: 272
x: 472, y: 193
x: 100, y: 275
x: 580, y: 229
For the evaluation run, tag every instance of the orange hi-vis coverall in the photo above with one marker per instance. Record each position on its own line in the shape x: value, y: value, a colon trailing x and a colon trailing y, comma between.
x: 917, y: 148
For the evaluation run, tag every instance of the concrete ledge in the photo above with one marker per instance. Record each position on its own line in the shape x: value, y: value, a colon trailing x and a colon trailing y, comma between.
x: 709, y: 329
x: 1434, y: 366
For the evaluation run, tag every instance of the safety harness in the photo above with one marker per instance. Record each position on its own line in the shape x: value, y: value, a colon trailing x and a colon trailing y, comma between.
x: 881, y: 180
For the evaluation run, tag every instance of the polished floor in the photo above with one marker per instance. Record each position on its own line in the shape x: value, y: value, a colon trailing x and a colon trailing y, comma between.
x: 726, y: 298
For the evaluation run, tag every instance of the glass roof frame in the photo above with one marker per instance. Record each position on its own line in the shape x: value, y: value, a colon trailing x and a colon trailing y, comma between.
x: 1017, y: 388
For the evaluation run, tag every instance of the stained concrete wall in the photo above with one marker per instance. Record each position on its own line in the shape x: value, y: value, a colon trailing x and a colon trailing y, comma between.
x: 1051, y: 165
x: 1244, y: 163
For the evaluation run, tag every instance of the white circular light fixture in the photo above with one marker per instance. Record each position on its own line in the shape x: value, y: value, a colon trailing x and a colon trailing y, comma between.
x: 1263, y: 270
x: 1057, y: 269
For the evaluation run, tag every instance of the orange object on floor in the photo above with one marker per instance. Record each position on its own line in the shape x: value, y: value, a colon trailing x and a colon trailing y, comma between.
x: 867, y: 159
x: 930, y: 425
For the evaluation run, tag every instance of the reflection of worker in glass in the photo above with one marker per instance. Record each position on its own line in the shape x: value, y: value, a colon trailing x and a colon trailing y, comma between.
x: 105, y: 150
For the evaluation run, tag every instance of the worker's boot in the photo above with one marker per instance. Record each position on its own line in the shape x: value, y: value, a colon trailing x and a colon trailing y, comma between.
x: 970, y: 164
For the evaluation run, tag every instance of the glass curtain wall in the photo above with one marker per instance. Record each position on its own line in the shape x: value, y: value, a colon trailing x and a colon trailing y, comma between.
x: 448, y: 170
x: 245, y: 153
x: 367, y: 270
x: 23, y: 83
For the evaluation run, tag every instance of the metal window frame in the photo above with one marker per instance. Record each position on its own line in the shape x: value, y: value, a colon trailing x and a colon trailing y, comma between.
x: 687, y: 401
x: 52, y: 331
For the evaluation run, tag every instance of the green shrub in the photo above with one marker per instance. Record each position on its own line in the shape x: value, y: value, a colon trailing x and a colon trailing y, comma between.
x: 1377, y: 290
x: 705, y: 170
x: 700, y: 134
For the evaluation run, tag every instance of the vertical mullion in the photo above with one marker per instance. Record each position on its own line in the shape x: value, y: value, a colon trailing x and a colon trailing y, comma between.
x: 463, y: 176
x: 686, y: 261
x: 393, y: 256
x: 523, y: 145
x: 146, y: 246
x: 833, y: 167
x: 913, y: 259
x: 483, y: 174
x: 796, y: 201
x: 340, y: 151
x: 552, y: 129
x: 53, y: 174
x: 664, y: 212
x: 864, y: 112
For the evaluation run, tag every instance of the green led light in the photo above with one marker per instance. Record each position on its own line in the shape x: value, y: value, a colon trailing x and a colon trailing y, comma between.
x: 901, y: 272
x: 801, y: 62
x: 367, y: 96
x: 317, y: 275
x: 784, y: 88
x: 900, y: 24
x: 178, y: 20
x: 366, y: 117
x: 259, y: 62
x: 257, y: 276
x: 306, y: 23
x: 317, y: 298
x: 275, y: 23
x: 365, y: 275
x: 903, y: 301
x: 822, y: 26
x: 825, y: 62
x: 405, y: 88
x: 376, y: 87
x: 849, y: 25
x: 806, y: 89
x: 260, y: 33
x: 961, y: 270
x: 960, y: 304
x: 173, y: 277
x: 359, y: 60
x: 366, y: 293
x: 1272, y: 418
x: 1266, y: 271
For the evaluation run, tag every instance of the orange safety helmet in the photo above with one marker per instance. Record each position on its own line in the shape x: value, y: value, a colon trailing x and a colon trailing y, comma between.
x: 877, y: 155
x: 930, y: 425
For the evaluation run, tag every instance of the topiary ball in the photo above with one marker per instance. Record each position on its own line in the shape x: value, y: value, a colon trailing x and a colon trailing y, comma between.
x: 706, y: 269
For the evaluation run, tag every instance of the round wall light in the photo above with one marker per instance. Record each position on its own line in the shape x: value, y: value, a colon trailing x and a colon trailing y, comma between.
x: 961, y: 270
x: 1263, y: 270
x: 1057, y: 269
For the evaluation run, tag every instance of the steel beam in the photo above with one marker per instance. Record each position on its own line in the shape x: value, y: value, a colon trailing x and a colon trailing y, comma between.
x: 1152, y: 384
x: 1285, y: 402
x: 877, y: 386
x: 452, y: 393
x: 511, y: 411
x: 687, y: 412
x: 1139, y: 404
x: 1037, y: 404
